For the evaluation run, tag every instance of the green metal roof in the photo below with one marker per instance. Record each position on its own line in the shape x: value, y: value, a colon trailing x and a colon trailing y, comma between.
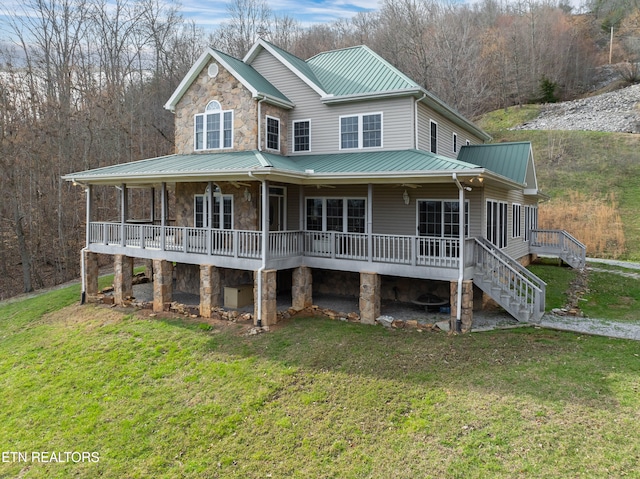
x: 510, y: 160
x: 357, y: 70
x: 251, y: 76
x: 209, y: 164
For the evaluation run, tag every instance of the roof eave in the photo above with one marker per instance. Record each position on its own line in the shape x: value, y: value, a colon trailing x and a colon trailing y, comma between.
x: 331, y: 99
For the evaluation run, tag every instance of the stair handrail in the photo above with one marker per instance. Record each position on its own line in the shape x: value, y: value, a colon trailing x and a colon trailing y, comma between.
x: 572, y: 244
x: 537, y: 285
x: 486, y: 244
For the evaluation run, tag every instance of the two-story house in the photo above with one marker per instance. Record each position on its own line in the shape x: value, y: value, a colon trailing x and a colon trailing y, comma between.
x: 334, y: 174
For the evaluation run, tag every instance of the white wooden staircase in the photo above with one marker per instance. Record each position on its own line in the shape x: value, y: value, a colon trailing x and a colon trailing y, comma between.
x: 512, y: 286
x: 561, y: 244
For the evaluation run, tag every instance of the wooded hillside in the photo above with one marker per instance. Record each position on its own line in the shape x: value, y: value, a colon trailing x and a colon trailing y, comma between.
x: 82, y: 86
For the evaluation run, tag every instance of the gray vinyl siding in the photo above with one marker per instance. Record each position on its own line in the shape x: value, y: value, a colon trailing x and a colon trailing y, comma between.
x: 397, y: 113
x: 446, y: 129
x: 516, y: 247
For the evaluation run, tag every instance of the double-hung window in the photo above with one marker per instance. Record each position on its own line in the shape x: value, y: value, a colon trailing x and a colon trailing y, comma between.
x: 346, y: 215
x: 213, y: 128
x: 273, y: 133
x: 516, y: 220
x: 361, y: 131
x: 530, y: 221
x: 497, y: 223
x: 302, y: 135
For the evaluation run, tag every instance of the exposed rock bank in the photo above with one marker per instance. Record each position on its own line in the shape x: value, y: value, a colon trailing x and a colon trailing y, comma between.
x: 616, y: 111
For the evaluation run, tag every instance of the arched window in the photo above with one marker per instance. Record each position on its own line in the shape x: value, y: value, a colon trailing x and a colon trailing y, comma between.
x: 213, y: 129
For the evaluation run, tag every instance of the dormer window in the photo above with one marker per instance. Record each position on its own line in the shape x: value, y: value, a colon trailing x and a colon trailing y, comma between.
x: 213, y: 128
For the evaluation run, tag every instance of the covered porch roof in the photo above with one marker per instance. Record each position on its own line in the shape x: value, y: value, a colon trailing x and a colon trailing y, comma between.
x: 407, y: 166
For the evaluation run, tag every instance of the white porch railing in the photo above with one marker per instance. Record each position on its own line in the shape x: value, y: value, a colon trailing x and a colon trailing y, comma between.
x: 376, y: 248
x: 559, y: 243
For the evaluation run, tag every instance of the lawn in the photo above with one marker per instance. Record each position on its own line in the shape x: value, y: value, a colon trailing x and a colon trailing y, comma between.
x: 172, y: 397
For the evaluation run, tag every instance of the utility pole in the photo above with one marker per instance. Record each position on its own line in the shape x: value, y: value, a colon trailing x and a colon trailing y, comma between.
x: 611, y: 46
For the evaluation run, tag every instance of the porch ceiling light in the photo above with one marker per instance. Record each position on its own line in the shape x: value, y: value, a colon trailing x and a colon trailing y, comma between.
x: 406, y: 198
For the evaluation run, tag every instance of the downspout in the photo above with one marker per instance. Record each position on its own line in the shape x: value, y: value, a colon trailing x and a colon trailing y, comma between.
x: 461, y: 210
x: 265, y: 234
x: 259, y: 125
x: 415, y: 120
x: 83, y: 274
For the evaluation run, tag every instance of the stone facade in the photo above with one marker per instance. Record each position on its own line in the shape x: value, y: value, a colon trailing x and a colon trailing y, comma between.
x: 369, y: 297
x: 122, y: 278
x: 232, y: 95
x: 162, y: 284
x: 269, y: 294
x: 466, y: 313
x: 302, y: 288
x: 210, y: 289
x: 245, y: 213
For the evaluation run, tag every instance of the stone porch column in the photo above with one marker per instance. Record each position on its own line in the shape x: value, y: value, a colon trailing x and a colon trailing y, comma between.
x: 148, y: 269
x: 370, y: 286
x: 209, y: 289
x: 466, y: 313
x: 123, y: 278
x: 162, y: 284
x: 302, y: 288
x: 91, y: 273
x: 269, y: 305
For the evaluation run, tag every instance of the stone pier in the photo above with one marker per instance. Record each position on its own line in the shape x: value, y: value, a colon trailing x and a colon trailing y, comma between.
x: 466, y: 313
x: 302, y: 288
x: 269, y: 314
x: 122, y: 278
x: 91, y: 273
x: 370, y: 290
x: 162, y: 284
x: 209, y: 289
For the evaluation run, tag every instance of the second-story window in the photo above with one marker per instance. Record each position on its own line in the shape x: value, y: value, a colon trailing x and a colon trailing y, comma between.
x: 273, y: 133
x: 213, y: 128
x: 361, y: 131
x: 434, y: 137
x: 302, y: 135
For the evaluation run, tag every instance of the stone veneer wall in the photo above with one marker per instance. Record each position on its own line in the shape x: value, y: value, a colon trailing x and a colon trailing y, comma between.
x: 232, y: 95
x: 245, y: 213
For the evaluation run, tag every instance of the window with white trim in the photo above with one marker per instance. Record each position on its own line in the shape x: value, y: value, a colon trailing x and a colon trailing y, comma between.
x: 273, y: 133
x: 434, y: 136
x: 497, y: 223
x: 221, y: 215
x: 530, y: 220
x: 361, y: 131
x: 346, y: 215
x: 302, y: 135
x: 213, y: 129
x: 455, y: 143
x: 441, y: 218
x: 516, y: 220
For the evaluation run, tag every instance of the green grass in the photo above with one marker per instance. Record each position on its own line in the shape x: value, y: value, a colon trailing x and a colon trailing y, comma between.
x: 613, y: 296
x: 173, y: 398
x: 558, y: 281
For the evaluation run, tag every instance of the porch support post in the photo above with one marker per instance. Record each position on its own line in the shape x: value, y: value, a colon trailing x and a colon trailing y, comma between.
x: 209, y: 289
x: 370, y: 286
x: 268, y: 306
x: 89, y: 191
x: 91, y: 272
x: 153, y: 205
x: 162, y: 284
x: 163, y: 215
x: 466, y: 310
x: 123, y: 278
x: 302, y: 288
x: 370, y: 222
